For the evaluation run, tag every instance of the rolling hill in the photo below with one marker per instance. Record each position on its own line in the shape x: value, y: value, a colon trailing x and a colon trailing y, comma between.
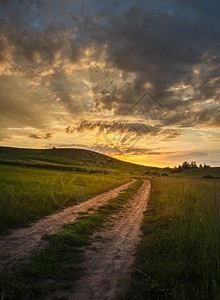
x: 67, y: 159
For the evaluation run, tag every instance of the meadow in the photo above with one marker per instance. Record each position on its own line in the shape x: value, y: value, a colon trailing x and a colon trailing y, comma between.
x: 38, y: 182
x: 28, y: 194
x: 179, y: 256
x: 67, y: 159
x: 59, y: 264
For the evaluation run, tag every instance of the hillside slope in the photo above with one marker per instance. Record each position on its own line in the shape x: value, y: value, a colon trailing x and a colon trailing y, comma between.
x: 66, y: 157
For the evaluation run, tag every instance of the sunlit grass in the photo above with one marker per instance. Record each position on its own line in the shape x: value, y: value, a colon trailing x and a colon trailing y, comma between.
x: 27, y: 194
x: 179, y: 257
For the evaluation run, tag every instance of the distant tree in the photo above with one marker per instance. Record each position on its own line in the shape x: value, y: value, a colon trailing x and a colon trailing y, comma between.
x: 193, y: 165
x: 200, y: 165
x: 206, y: 166
x: 185, y: 165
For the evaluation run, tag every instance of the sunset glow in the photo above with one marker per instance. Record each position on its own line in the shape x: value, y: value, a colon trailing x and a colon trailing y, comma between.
x: 137, y: 80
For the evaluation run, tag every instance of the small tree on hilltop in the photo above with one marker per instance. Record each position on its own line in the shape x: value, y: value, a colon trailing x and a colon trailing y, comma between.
x: 185, y: 165
x: 206, y: 166
x: 193, y: 165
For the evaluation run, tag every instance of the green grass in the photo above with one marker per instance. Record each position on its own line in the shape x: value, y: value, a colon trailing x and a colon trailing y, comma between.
x: 191, y: 173
x: 26, y: 194
x: 59, y: 264
x: 215, y: 171
x: 66, y: 157
x: 179, y: 256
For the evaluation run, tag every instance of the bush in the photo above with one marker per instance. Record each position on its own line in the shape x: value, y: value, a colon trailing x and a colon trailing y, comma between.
x: 208, y: 176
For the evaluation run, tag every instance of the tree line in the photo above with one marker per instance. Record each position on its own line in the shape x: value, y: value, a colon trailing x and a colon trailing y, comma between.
x: 187, y: 166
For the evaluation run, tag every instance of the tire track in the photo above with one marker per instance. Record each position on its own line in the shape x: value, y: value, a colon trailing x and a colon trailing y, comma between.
x: 109, y: 260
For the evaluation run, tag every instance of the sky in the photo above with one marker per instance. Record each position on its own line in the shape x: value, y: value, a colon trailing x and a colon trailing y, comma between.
x: 137, y: 80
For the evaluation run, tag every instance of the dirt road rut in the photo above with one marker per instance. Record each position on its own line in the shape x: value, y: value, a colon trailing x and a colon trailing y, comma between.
x: 109, y: 259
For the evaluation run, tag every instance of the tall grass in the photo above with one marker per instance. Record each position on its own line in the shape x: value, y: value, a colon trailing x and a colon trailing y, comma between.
x: 27, y: 194
x: 179, y: 256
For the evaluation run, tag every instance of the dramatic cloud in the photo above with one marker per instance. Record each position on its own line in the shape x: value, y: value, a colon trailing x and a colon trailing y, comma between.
x: 145, y: 73
x: 163, y: 50
x: 137, y: 129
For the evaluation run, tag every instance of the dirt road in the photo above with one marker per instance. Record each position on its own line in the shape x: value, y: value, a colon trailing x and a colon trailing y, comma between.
x: 112, y: 253
x: 22, y: 241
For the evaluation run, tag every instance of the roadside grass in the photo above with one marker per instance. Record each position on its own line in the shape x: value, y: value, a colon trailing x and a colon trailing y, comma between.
x: 27, y: 194
x: 59, y: 263
x: 179, y: 255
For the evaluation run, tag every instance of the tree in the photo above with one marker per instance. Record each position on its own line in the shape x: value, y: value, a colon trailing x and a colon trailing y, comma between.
x: 206, y: 166
x: 185, y: 165
x: 193, y: 165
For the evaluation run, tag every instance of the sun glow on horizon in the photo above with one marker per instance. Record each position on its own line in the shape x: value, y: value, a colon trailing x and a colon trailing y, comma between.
x: 68, y: 82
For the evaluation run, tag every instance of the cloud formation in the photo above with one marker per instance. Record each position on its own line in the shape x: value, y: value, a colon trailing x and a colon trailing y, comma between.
x: 136, y: 129
x: 47, y: 136
x: 146, y: 69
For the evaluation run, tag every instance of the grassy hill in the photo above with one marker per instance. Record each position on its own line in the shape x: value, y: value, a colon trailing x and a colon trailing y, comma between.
x: 66, y: 159
x: 36, y: 182
x: 81, y: 160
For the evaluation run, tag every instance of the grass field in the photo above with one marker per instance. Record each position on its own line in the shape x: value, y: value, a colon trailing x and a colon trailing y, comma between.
x: 85, y: 160
x: 30, y: 193
x: 37, y: 182
x: 200, y: 172
x: 179, y: 256
x: 59, y: 264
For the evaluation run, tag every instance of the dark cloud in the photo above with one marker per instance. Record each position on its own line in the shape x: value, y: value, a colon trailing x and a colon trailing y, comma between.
x: 33, y: 45
x: 136, y: 129
x: 162, y: 50
x: 208, y: 117
x: 35, y: 136
x: 159, y: 48
x: 46, y: 136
